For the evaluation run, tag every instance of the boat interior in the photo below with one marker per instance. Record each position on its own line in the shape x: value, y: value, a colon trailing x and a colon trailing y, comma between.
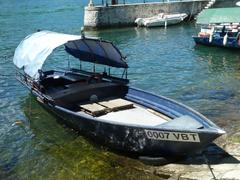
x: 97, y: 95
x: 102, y: 96
x: 67, y: 88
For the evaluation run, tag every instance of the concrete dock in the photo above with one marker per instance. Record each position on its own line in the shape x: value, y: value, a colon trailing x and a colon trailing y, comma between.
x: 123, y: 15
x: 219, y: 161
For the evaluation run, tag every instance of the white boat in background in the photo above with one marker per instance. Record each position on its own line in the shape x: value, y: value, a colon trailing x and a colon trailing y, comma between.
x: 161, y: 20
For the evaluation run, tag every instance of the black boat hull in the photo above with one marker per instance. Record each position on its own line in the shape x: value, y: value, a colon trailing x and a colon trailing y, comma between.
x: 134, y: 139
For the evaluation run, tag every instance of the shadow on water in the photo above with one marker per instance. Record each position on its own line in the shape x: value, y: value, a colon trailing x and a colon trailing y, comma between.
x: 212, y: 154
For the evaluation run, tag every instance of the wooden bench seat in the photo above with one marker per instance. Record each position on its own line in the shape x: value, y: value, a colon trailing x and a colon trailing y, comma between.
x: 104, y: 107
x: 94, y: 109
x: 116, y: 104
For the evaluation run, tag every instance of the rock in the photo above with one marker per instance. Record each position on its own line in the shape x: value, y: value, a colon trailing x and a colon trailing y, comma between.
x: 234, y: 174
x: 215, y: 163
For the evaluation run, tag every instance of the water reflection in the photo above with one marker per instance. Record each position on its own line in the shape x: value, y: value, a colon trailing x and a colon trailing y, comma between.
x: 219, y: 59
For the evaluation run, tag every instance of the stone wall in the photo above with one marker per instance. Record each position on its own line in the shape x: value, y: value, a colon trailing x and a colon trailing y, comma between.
x: 125, y: 15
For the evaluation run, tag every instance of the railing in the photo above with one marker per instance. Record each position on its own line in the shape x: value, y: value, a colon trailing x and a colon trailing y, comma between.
x: 115, y: 2
x: 33, y: 85
x: 24, y: 78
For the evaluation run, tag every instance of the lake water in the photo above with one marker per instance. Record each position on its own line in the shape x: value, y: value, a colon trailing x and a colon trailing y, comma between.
x: 163, y: 61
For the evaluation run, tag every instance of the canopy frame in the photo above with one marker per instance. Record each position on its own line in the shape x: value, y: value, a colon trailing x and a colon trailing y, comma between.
x: 119, y: 61
x: 34, y: 50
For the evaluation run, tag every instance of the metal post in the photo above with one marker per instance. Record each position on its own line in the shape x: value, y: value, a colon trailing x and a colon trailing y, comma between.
x: 90, y: 3
x: 114, y: 2
x: 94, y: 67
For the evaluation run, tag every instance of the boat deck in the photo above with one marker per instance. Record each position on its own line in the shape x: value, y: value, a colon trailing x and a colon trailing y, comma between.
x: 123, y: 111
x: 137, y: 116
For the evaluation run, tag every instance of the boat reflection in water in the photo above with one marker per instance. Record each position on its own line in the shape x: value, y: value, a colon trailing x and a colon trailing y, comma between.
x: 104, y: 107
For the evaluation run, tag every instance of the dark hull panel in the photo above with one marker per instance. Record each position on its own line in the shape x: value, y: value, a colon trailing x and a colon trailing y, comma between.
x: 132, y: 139
x: 231, y: 42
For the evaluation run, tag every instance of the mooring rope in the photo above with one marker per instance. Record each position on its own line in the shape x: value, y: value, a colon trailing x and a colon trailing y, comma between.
x: 209, y: 166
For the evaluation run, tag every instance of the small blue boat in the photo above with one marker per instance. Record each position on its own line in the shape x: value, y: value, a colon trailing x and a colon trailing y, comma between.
x: 104, y: 107
x: 217, y: 40
x: 220, y: 27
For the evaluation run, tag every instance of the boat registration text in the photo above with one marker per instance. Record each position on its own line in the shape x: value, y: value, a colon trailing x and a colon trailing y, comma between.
x: 172, y: 136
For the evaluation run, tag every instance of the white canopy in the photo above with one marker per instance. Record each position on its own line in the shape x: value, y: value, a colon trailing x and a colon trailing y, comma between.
x: 35, y: 48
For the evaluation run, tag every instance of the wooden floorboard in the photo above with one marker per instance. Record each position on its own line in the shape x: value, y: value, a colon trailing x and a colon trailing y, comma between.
x: 94, y: 109
x: 117, y: 104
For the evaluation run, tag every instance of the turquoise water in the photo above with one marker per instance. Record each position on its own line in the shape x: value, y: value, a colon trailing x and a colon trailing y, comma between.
x: 33, y: 144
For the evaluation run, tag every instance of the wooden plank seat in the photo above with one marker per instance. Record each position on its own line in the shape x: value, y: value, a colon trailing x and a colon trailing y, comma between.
x: 116, y: 104
x: 104, y: 107
x: 94, y: 109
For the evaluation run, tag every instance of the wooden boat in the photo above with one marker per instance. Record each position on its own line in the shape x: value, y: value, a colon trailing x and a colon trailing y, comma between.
x: 223, y: 35
x: 161, y: 20
x: 105, y: 107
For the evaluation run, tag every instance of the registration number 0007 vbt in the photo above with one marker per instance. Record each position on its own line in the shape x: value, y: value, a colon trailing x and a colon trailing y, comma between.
x: 172, y: 136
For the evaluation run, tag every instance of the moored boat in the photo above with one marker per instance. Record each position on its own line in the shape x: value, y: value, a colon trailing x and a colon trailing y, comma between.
x: 220, y: 27
x: 161, y: 20
x: 104, y: 107
x: 222, y: 35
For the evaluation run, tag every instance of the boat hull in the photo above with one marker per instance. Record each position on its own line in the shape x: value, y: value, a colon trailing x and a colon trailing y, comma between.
x: 162, y: 22
x: 137, y: 140
x: 219, y: 42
